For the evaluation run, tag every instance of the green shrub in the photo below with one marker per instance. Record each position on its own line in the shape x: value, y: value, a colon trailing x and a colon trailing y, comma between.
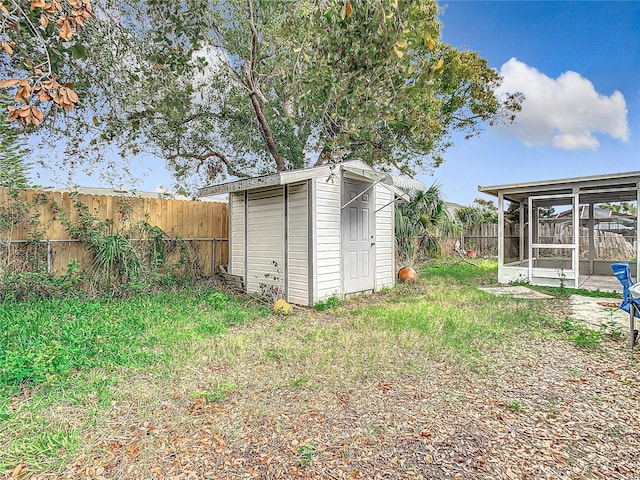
x: 331, y: 302
x: 515, y: 406
x: 37, y: 286
x: 218, y: 300
x: 581, y: 335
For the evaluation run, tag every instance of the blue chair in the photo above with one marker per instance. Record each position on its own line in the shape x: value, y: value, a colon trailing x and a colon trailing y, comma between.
x: 629, y: 304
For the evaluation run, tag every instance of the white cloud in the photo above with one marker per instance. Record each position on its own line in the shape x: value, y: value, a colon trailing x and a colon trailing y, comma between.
x: 564, y: 112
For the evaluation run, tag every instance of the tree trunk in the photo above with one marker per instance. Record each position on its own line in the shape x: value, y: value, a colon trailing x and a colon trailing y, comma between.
x: 265, y: 131
x: 252, y: 86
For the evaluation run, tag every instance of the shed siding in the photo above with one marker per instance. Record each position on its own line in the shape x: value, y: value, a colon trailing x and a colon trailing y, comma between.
x: 265, y: 239
x: 307, y: 230
x: 298, y: 238
x: 385, y: 241
x: 236, y: 255
x: 328, y: 240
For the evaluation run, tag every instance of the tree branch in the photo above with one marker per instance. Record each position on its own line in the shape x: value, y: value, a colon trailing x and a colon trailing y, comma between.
x: 227, y: 163
x: 263, y: 124
x: 36, y: 34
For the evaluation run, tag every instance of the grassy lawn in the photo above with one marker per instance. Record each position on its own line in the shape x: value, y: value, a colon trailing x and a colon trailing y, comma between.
x: 59, y: 353
x: 433, y: 380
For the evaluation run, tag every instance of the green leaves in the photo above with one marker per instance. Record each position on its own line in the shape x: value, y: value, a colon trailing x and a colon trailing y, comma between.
x: 228, y: 87
x: 78, y: 51
x: 372, y: 80
x: 422, y: 224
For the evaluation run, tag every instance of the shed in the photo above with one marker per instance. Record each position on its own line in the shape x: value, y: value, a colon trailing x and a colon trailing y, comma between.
x: 571, y: 250
x: 314, y: 233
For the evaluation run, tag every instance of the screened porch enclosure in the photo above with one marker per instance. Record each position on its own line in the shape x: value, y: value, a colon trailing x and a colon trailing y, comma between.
x: 557, y: 232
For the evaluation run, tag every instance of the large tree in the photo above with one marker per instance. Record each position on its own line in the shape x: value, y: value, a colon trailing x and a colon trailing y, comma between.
x: 245, y: 87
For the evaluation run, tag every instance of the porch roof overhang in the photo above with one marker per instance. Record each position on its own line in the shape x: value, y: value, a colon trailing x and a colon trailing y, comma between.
x: 400, y: 186
x: 614, y: 187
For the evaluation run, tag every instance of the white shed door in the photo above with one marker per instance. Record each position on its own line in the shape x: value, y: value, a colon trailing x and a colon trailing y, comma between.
x: 358, y: 237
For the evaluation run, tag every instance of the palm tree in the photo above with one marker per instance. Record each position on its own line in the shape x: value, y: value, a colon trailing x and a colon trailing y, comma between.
x: 422, y: 224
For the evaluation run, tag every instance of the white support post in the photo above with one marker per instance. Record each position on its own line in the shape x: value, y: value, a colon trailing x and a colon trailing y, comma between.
x: 500, y: 231
x: 592, y: 240
x: 536, y: 224
x: 575, y: 256
x: 521, y: 231
x: 637, y: 231
x: 245, y: 274
x: 531, y: 239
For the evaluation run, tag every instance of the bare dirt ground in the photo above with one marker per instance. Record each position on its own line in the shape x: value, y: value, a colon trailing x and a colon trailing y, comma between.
x: 322, y: 397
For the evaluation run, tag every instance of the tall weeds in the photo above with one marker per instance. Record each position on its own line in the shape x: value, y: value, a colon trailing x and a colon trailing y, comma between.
x: 421, y: 226
x: 132, y: 255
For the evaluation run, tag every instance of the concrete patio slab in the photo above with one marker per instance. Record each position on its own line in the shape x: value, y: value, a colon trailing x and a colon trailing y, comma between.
x: 597, y: 313
x: 515, y: 291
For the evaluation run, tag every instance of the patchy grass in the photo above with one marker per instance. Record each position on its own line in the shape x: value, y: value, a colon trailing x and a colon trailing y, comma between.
x: 452, y: 314
x: 583, y: 336
x: 46, y: 341
x: 484, y: 272
x: 565, y: 292
x: 67, y: 353
x: 432, y: 380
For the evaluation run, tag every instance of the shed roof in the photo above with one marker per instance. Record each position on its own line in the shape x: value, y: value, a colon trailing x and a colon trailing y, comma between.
x: 613, y: 187
x: 355, y: 168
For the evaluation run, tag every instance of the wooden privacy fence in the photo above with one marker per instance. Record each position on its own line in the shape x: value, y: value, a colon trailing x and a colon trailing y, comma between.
x: 608, y: 245
x: 33, y: 235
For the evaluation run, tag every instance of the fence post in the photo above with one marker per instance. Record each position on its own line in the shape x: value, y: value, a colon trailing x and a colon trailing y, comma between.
x: 49, y: 257
x: 213, y: 256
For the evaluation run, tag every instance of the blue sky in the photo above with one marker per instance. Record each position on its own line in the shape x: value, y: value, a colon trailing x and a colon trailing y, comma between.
x: 570, y: 128
x: 578, y: 64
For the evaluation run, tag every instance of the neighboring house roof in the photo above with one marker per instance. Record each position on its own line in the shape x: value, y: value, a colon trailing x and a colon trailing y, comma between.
x: 612, y: 227
x: 599, y: 215
x: 114, y: 192
x: 453, y: 207
x: 397, y: 184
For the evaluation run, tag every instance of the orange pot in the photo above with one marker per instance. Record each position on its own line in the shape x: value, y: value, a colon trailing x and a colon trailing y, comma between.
x: 407, y: 275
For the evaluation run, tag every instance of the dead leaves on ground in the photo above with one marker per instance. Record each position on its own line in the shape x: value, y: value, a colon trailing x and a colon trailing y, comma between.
x: 446, y: 426
x: 579, y: 421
